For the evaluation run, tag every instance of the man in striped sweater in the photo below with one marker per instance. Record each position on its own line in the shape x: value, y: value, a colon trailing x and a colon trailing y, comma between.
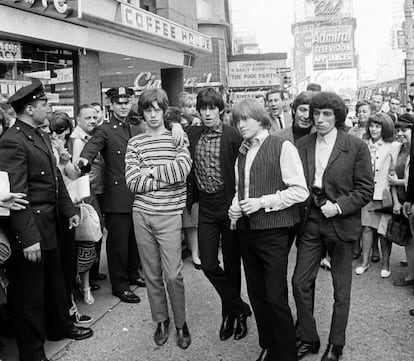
x: 156, y: 172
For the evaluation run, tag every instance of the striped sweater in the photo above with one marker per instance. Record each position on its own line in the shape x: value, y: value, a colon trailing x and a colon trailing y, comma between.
x: 165, y: 192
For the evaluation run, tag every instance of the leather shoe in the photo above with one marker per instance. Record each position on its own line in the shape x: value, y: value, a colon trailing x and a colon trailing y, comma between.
x: 183, y: 337
x: 266, y: 355
x: 412, y: 312
x: 161, y: 333
x: 79, y: 333
x: 403, y: 282
x: 227, y: 327
x: 241, y: 325
x: 99, y: 277
x: 303, y: 348
x: 139, y: 281
x: 128, y: 296
x: 94, y: 286
x: 332, y: 353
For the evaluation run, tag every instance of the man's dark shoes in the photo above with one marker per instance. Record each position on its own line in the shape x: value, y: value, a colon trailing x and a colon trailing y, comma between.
x: 227, y: 327
x: 266, y: 355
x: 99, y: 277
x: 161, y: 333
x: 332, y: 353
x: 79, y: 333
x: 241, y: 325
x: 128, y: 296
x: 412, y: 312
x: 303, y: 348
x: 139, y: 281
x: 183, y: 337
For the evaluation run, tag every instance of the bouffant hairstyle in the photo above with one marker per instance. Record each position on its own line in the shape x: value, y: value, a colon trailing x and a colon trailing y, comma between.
x: 328, y: 100
x: 360, y: 103
x: 387, y: 126
x: 404, y: 121
x: 209, y: 97
x: 150, y: 96
x: 251, y: 108
x: 59, y: 122
x: 302, y: 98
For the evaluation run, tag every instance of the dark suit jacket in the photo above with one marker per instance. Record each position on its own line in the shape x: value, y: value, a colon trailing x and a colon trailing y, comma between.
x: 410, y: 186
x: 347, y: 180
x: 32, y: 169
x: 111, y: 139
x: 229, y: 150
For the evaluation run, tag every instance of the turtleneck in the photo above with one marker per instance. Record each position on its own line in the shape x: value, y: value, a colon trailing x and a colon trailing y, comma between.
x: 299, y: 132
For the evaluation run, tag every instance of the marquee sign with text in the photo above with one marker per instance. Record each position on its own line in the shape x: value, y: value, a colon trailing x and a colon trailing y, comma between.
x: 161, y: 27
x: 52, y: 8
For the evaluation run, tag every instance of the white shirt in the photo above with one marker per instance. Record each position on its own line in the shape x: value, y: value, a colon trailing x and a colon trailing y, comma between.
x: 323, y: 150
x: 292, y: 175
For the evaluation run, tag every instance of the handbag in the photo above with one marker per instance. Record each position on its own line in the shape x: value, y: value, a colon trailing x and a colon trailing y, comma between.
x: 5, y: 250
x: 79, y: 189
x: 89, y: 228
x: 398, y: 230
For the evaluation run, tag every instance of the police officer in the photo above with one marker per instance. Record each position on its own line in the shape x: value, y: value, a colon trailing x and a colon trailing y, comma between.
x: 34, y: 269
x: 111, y: 139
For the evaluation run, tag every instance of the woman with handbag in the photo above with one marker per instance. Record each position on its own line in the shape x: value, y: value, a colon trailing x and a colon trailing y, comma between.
x: 380, y: 139
x: 404, y: 129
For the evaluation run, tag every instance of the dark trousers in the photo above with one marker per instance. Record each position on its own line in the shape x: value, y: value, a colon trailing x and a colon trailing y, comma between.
x: 213, y: 224
x: 121, y: 250
x: 265, y: 257
x: 38, y: 302
x: 319, y: 235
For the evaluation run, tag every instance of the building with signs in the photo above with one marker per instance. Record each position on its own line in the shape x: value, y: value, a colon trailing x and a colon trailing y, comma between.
x: 79, y: 47
x: 324, y: 46
x: 253, y: 74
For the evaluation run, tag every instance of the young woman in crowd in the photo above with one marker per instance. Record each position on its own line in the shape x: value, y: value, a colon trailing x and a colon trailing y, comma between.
x: 364, y: 109
x: 396, y: 179
x: 379, y: 137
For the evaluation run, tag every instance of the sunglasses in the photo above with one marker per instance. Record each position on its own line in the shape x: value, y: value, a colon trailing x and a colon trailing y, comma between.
x: 60, y: 130
x: 408, y: 110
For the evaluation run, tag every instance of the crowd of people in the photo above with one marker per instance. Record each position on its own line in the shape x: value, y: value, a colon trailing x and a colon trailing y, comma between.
x: 251, y: 179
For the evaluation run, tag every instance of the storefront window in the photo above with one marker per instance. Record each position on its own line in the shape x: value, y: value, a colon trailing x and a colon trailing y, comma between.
x: 20, y: 62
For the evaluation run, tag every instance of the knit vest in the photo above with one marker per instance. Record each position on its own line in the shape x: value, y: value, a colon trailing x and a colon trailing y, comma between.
x: 266, y: 178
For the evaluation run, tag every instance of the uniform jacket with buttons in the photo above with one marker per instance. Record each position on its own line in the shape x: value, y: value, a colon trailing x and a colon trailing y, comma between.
x: 32, y: 169
x: 111, y: 139
x: 347, y: 180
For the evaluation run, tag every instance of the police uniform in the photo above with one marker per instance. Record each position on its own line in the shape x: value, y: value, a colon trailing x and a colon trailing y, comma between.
x: 26, y: 154
x: 111, y: 139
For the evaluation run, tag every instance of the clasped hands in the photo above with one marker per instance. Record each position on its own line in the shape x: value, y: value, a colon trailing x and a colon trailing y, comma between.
x: 244, y: 207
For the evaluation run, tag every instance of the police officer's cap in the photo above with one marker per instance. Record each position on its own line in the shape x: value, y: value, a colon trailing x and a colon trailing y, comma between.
x: 27, y: 94
x: 120, y: 94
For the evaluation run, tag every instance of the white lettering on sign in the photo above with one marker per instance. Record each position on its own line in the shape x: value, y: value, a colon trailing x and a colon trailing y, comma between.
x: 10, y: 51
x: 61, y: 6
x: 153, y: 24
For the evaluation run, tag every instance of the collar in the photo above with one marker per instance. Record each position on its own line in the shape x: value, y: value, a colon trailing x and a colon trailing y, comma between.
x: 258, y: 140
x: 218, y: 129
x: 328, y: 138
x: 78, y: 132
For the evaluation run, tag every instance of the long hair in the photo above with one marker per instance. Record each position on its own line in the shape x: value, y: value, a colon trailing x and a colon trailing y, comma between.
x: 328, y: 100
x: 150, y: 96
x: 387, y: 126
x: 209, y: 97
x: 251, y: 108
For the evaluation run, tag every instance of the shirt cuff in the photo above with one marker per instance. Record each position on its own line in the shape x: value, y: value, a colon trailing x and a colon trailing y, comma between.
x: 338, y: 208
x: 271, y: 201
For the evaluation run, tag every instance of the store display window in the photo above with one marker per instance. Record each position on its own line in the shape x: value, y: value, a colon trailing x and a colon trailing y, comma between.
x: 20, y: 62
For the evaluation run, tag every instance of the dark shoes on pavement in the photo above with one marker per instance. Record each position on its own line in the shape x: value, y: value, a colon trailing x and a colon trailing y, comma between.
x: 240, y: 331
x: 183, y: 337
x: 403, y: 282
x: 161, y: 333
x: 332, y: 353
x: 127, y: 296
x: 79, y: 333
x: 412, y: 312
x: 227, y: 327
x: 303, y: 348
x: 139, y: 281
x: 266, y: 355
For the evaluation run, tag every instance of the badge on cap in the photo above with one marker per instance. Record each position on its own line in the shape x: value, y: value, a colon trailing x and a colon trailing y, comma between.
x: 121, y: 90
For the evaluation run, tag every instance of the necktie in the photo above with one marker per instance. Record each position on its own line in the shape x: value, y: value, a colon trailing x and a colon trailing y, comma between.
x: 280, y: 122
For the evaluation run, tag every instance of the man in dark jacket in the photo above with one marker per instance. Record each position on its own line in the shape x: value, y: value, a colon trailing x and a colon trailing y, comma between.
x: 37, y: 288
x: 214, y: 148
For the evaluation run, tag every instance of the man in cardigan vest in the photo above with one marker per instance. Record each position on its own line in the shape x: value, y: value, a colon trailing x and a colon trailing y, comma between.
x: 338, y: 171
x: 270, y: 181
x: 214, y: 148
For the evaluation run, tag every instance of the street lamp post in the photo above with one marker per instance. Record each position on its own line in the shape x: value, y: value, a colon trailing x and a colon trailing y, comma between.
x: 409, y: 62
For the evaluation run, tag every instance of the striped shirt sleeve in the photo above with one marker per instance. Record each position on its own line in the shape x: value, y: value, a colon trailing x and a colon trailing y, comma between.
x: 176, y: 170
